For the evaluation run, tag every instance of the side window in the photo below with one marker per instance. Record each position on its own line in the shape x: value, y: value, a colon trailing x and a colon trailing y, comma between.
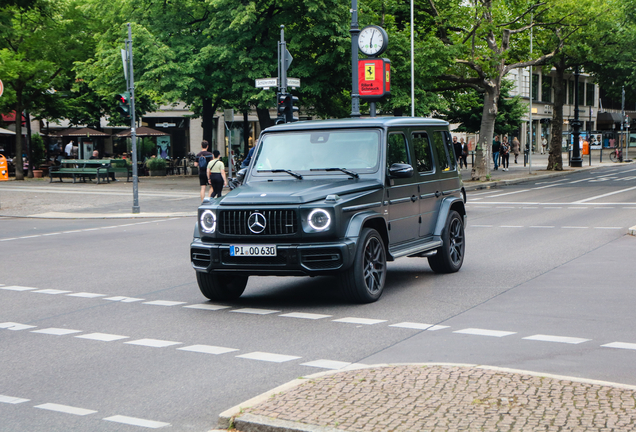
x: 397, y: 151
x: 441, y: 152
x: 423, y: 153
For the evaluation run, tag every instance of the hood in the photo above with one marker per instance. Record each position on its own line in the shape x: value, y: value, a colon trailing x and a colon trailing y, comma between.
x: 294, y: 191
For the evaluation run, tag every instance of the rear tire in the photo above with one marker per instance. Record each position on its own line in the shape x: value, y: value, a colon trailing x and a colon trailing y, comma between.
x: 450, y: 256
x: 221, y: 286
x: 612, y: 156
x: 364, y: 281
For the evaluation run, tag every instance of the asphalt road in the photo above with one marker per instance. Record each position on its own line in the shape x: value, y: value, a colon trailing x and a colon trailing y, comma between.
x: 102, y: 326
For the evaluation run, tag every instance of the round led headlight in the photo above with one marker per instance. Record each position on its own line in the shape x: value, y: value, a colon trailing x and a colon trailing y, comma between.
x: 208, y: 221
x: 319, y: 219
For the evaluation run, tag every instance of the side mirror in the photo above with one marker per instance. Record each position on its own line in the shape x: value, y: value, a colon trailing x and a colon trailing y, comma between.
x: 400, y: 170
x: 240, y: 175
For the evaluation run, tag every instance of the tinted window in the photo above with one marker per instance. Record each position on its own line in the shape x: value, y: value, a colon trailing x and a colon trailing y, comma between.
x: 398, y: 151
x: 423, y: 155
x: 439, y: 148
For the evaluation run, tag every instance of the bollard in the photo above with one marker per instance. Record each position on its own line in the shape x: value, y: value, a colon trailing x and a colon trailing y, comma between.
x: 4, y: 169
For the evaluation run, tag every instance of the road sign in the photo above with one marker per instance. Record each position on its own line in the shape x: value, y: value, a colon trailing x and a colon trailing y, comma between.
x: 293, y: 82
x: 266, y: 82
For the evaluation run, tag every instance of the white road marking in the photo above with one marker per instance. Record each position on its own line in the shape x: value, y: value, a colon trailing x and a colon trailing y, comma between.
x: 327, y: 364
x: 155, y: 343
x: 90, y: 229
x: 419, y: 326
x: 69, y: 232
x: 483, y: 193
x: 621, y: 345
x: 206, y: 306
x: 509, y: 193
x: 262, y: 356
x: 51, y: 234
x: 15, y: 326
x: 56, y: 331
x: 123, y: 299
x: 208, y: 349
x: 574, y: 227
x: 65, y: 409
x: 545, y: 187
x: 603, y: 208
x: 302, y: 315
x: 604, y: 195
x: 483, y: 332
x: 510, y: 226
x: 164, y: 303
x: 104, y: 337
x: 86, y: 295
x: 51, y: 291
x: 133, y: 421
x: 12, y: 400
x: 31, y: 236
x: 480, y: 226
x: 540, y: 226
x: 365, y: 321
x: 255, y: 311
x: 609, y: 228
x: 559, y: 339
x: 17, y: 288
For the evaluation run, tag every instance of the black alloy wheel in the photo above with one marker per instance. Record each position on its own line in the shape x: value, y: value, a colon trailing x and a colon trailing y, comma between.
x: 364, y: 281
x: 450, y: 256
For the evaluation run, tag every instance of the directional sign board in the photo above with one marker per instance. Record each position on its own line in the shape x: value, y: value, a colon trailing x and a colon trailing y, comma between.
x: 293, y: 82
x: 266, y: 82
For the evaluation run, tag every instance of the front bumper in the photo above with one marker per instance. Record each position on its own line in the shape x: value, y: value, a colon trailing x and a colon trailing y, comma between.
x: 291, y: 259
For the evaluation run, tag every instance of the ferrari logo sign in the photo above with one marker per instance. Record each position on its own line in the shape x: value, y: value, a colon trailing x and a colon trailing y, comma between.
x: 369, y: 71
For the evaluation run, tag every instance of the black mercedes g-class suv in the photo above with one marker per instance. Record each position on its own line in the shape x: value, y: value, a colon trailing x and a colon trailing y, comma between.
x: 336, y: 197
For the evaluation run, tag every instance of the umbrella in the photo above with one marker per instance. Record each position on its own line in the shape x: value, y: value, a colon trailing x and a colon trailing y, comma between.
x: 142, y: 131
x: 84, y: 132
x: 6, y: 132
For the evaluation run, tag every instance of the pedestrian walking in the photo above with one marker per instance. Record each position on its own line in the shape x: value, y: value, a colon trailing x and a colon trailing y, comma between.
x: 216, y: 174
x: 464, y: 147
x: 544, y: 145
x: 516, y: 147
x: 203, y: 157
x: 496, y: 146
x: 458, y: 150
x: 505, y: 154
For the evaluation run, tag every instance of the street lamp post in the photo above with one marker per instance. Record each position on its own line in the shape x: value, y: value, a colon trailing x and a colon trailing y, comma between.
x: 355, y: 33
x: 576, y: 160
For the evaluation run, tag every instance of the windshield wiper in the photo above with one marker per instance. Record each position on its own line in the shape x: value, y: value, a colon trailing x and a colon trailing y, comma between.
x: 344, y: 170
x: 291, y: 173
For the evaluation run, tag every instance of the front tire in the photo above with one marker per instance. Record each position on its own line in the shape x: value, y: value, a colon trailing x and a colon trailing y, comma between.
x: 221, y: 286
x: 364, y: 281
x: 450, y: 256
x: 612, y: 156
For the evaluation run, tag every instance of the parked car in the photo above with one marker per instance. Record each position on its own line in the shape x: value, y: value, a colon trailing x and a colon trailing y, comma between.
x: 336, y: 197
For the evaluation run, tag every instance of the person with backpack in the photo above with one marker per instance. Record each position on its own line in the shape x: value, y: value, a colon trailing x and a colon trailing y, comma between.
x: 203, y: 157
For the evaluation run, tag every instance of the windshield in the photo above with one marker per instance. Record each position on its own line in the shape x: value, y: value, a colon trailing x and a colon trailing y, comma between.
x: 310, y: 152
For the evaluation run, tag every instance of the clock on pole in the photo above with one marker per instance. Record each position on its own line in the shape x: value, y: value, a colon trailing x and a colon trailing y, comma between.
x: 373, y: 40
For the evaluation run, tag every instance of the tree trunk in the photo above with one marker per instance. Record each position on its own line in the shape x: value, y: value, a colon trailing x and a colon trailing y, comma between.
x: 264, y: 119
x: 19, y: 171
x: 555, y: 159
x: 481, y: 169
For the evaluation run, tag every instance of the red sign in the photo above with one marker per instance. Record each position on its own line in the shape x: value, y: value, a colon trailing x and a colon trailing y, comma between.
x: 374, y: 78
x: 1, y: 88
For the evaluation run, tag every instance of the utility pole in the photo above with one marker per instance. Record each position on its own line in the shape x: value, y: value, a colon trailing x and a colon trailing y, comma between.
x: 133, y: 131
x: 355, y: 33
x: 576, y: 160
x: 530, y: 98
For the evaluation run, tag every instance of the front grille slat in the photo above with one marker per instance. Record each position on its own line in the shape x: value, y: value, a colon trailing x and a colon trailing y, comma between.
x: 278, y: 222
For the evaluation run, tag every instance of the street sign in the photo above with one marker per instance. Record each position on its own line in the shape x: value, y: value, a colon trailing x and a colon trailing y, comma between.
x: 293, y: 82
x: 266, y: 82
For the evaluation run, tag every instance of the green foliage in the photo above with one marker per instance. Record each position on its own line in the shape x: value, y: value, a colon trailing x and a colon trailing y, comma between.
x: 156, y: 164
x: 145, y: 148
x: 38, y: 151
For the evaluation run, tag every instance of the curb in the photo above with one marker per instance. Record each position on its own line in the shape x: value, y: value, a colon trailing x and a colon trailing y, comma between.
x: 235, y: 418
x: 632, y: 231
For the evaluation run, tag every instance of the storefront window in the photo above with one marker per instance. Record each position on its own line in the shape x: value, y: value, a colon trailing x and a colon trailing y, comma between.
x: 589, y: 95
x: 535, y: 86
x: 546, y: 89
x: 571, y: 92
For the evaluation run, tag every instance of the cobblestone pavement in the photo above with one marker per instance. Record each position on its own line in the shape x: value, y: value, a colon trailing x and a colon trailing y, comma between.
x: 444, y: 398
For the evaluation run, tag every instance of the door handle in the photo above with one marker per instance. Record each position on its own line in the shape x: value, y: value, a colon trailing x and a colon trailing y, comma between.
x: 437, y: 194
x: 413, y: 198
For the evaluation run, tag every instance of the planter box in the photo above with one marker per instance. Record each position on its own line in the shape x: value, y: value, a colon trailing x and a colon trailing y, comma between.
x: 38, y: 173
x: 157, y: 172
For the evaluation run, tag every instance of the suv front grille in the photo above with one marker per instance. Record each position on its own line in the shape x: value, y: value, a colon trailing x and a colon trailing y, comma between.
x: 278, y: 222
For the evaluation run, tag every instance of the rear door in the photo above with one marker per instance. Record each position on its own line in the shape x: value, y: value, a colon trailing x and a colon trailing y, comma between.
x: 446, y: 162
x: 427, y: 181
x: 401, y: 194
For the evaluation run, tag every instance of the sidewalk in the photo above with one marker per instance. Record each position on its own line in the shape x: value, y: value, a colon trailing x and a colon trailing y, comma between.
x: 437, y: 398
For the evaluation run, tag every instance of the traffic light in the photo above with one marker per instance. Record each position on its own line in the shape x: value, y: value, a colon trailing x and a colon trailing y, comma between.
x: 123, y: 107
x: 286, y: 108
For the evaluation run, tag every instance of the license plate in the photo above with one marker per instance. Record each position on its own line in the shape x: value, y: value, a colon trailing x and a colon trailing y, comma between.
x: 253, y: 250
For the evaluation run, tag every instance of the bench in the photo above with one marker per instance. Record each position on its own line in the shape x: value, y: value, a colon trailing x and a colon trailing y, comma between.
x: 120, y: 166
x: 86, y: 168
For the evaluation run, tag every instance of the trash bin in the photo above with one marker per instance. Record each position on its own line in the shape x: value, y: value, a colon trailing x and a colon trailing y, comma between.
x: 4, y: 169
x: 586, y: 148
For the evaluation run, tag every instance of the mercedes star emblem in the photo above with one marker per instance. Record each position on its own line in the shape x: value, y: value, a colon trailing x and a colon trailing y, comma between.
x: 256, y: 223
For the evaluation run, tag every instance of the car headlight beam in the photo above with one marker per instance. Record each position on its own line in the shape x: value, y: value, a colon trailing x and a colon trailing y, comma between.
x: 208, y: 221
x: 319, y: 219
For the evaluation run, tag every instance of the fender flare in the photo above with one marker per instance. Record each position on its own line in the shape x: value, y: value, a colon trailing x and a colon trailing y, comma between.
x: 448, y: 204
x: 358, y: 221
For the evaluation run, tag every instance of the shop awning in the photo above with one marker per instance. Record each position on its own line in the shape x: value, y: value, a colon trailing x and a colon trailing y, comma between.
x: 608, y: 121
x: 6, y: 132
x: 143, y: 131
x: 83, y: 132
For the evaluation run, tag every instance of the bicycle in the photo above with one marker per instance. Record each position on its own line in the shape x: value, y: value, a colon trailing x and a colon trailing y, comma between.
x: 616, y: 155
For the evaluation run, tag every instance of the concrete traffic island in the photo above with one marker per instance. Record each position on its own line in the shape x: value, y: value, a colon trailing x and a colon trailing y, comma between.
x: 437, y: 397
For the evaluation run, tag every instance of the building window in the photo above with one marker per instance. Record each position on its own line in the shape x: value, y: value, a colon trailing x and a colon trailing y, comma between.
x: 546, y: 89
x: 570, y: 92
x: 589, y: 95
x: 535, y: 86
x: 581, y: 93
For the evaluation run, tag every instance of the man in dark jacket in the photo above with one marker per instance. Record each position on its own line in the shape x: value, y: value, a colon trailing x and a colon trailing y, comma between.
x: 458, y: 149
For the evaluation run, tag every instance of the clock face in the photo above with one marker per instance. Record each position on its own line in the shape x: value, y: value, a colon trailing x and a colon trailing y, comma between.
x: 372, y: 40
